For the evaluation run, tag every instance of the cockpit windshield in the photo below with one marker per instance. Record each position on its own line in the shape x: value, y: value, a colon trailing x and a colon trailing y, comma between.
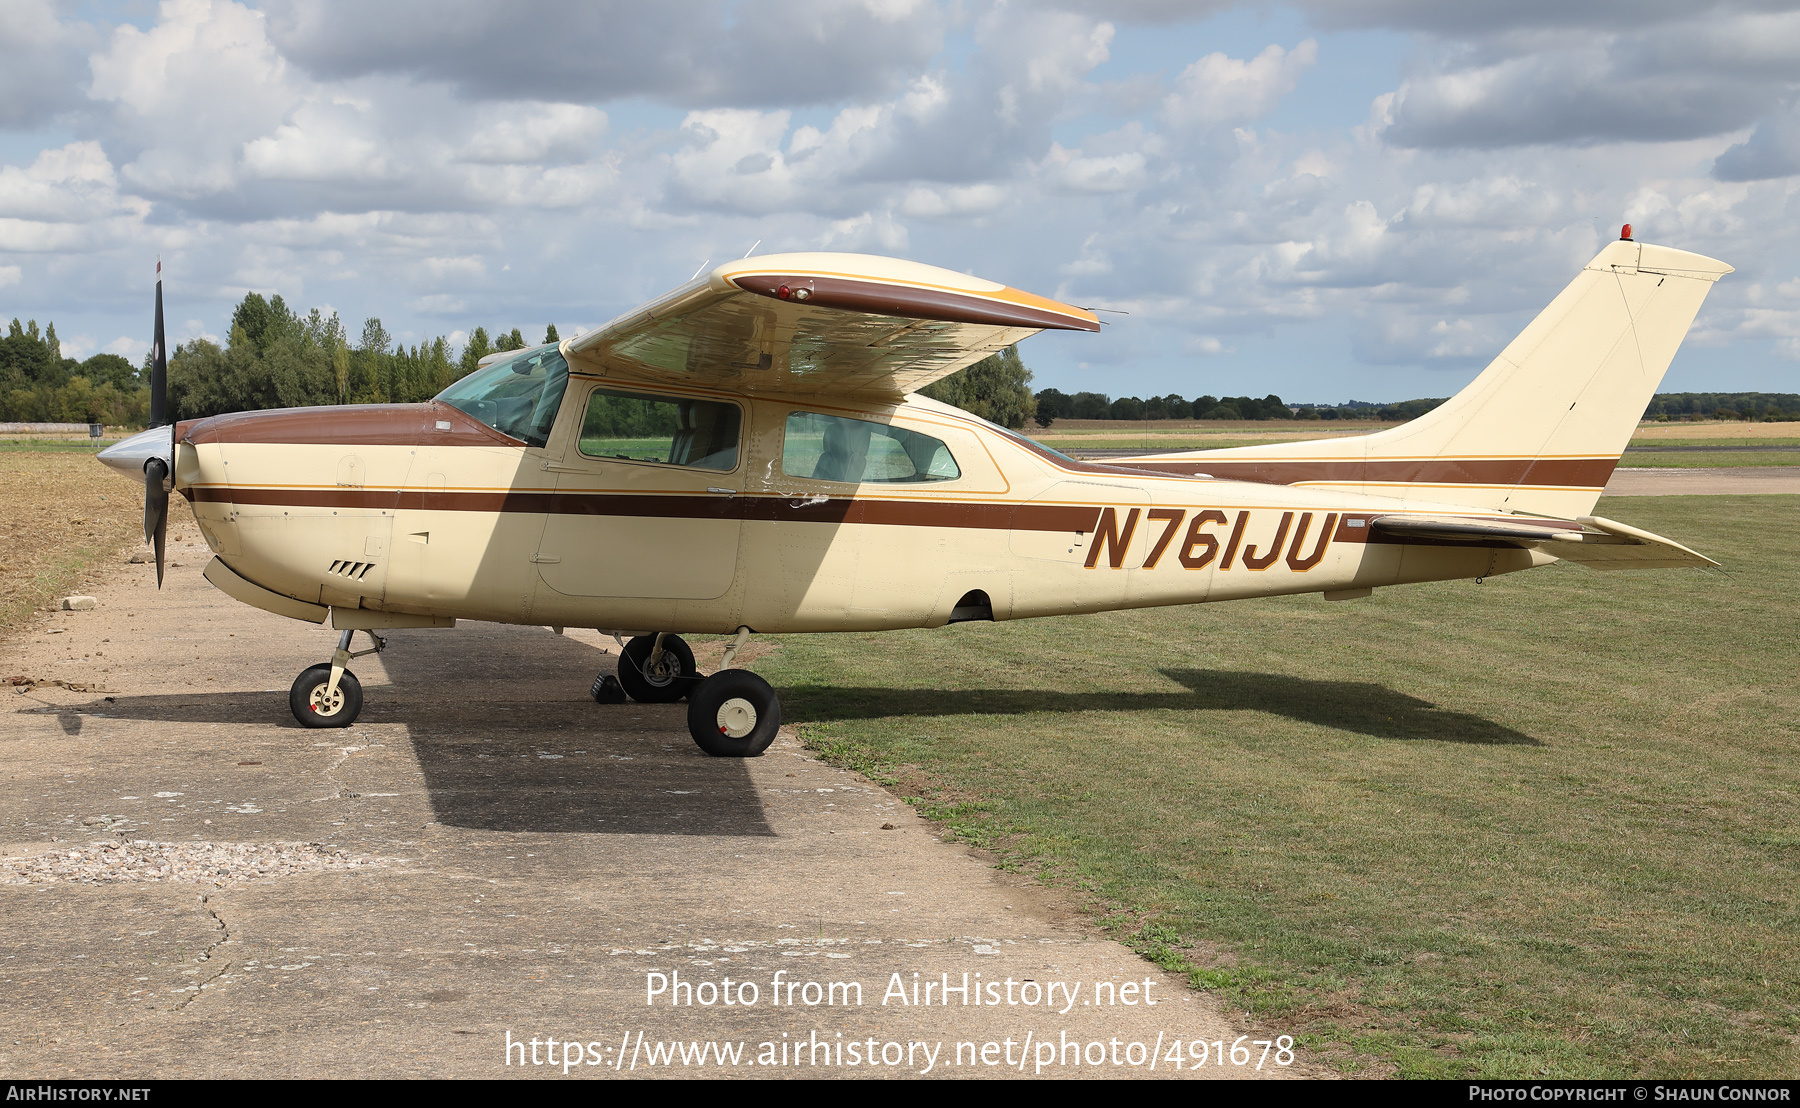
x: 518, y: 396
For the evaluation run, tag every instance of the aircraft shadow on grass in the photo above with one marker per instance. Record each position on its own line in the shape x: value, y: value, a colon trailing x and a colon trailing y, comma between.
x: 1358, y: 706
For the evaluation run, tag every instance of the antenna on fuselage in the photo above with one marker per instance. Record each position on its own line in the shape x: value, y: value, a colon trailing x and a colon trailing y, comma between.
x: 752, y: 249
x: 697, y: 272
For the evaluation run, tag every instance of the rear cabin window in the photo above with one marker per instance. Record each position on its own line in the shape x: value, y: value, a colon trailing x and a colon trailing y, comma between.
x: 634, y: 427
x: 831, y: 448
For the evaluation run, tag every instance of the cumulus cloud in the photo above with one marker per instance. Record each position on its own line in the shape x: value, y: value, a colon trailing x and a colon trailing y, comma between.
x: 1487, y: 20
x: 964, y: 200
x: 1772, y: 150
x: 1581, y: 94
x: 1144, y: 11
x: 1497, y: 78
x: 540, y: 133
x: 45, y: 63
x: 468, y: 162
x: 700, y: 53
x: 67, y: 198
x: 188, y: 92
x: 1222, y: 91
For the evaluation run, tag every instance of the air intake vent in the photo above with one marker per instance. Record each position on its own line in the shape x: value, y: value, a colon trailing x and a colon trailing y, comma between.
x: 973, y: 606
x: 355, y: 571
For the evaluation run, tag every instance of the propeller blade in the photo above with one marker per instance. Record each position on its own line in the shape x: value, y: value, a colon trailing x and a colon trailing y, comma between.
x: 156, y: 470
x: 156, y: 510
x: 159, y: 363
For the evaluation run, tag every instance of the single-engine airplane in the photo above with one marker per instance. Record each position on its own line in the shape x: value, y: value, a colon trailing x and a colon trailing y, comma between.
x: 747, y: 454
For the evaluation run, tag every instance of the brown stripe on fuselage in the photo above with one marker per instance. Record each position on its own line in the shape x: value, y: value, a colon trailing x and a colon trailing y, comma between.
x: 1073, y: 518
x: 893, y: 513
x: 1567, y: 472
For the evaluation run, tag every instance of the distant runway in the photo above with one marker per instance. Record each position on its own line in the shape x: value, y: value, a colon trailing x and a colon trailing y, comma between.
x: 1728, y: 481
x: 1649, y: 481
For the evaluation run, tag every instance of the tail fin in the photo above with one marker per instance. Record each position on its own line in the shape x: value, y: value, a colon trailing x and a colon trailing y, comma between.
x: 1542, y: 428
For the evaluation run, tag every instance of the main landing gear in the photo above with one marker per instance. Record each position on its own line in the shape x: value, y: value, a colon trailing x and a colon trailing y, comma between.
x: 732, y: 714
x: 328, y: 695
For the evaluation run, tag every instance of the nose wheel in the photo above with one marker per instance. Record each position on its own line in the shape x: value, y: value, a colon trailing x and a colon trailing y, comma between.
x: 328, y: 695
x: 315, y: 703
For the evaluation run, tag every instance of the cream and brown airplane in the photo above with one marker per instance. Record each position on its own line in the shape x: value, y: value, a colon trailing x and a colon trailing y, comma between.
x: 747, y: 455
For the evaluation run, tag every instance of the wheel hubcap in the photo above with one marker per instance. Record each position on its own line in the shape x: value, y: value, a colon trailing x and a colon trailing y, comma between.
x: 737, y: 718
x: 326, y: 705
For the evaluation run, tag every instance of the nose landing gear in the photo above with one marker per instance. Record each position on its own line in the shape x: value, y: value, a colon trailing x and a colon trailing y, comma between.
x: 328, y: 695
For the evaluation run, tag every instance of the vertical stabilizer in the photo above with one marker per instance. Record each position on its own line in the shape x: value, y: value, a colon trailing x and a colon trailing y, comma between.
x: 1543, y: 426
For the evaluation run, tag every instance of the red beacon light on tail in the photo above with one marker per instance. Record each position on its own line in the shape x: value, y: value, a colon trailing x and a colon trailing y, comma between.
x: 1625, y: 233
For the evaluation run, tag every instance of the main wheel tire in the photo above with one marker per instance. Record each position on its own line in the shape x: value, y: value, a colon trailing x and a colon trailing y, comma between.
x: 665, y: 685
x: 310, y: 705
x: 734, y: 714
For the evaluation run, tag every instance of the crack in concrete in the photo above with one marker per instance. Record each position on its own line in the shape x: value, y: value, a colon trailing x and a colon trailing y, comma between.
x: 207, y: 955
x: 329, y: 774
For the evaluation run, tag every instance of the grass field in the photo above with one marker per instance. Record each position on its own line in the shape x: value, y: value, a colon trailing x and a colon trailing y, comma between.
x: 1549, y: 824
x: 47, y: 445
x: 1163, y: 437
x: 1545, y: 825
x: 63, y: 513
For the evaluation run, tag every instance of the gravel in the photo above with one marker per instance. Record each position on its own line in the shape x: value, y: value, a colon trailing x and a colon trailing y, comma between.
x: 205, y: 863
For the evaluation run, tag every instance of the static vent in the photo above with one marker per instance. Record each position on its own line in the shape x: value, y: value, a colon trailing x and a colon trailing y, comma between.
x: 355, y: 571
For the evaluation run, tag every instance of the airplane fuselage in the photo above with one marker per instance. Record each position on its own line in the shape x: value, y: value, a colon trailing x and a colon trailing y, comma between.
x: 399, y: 514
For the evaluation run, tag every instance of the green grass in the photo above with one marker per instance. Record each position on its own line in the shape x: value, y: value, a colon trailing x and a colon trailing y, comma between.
x: 60, y: 446
x: 1684, y: 459
x: 1545, y: 825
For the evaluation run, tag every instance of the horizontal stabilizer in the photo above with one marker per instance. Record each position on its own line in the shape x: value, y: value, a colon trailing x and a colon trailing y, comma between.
x: 1590, y: 541
x: 1478, y: 528
x: 1620, y: 546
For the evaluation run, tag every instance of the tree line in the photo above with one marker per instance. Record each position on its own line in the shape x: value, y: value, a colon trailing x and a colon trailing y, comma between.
x: 1053, y: 405
x: 1760, y: 406
x: 276, y: 358
x: 39, y: 385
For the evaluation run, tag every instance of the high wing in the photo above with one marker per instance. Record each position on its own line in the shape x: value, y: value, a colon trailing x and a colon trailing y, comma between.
x: 819, y: 324
x: 1591, y: 541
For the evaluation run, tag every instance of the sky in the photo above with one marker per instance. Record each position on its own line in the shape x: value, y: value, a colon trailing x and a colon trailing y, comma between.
x: 1324, y: 199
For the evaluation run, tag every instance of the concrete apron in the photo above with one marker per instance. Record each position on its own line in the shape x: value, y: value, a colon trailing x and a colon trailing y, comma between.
x: 530, y: 863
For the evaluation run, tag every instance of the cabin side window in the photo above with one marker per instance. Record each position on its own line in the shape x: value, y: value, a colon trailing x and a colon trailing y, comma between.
x: 517, y: 397
x: 635, y: 427
x: 831, y: 448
